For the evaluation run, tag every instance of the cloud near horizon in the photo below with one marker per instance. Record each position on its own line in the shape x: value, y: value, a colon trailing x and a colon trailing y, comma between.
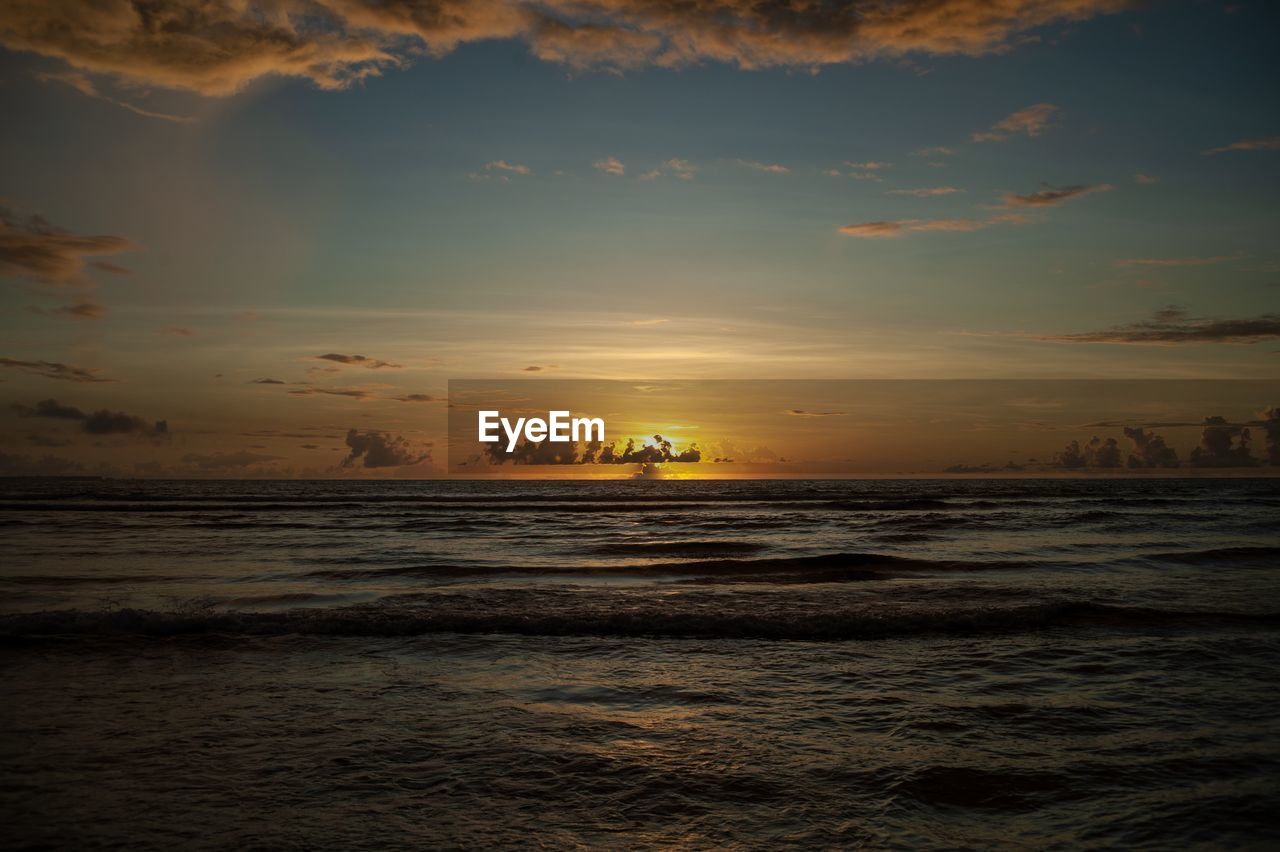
x: 374, y: 449
x: 216, y: 49
x: 100, y: 422
x: 1173, y: 326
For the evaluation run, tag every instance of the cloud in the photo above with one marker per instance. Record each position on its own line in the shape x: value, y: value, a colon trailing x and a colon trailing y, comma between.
x: 36, y: 250
x: 352, y: 393
x: 900, y: 227
x: 415, y: 397
x: 265, y: 382
x: 1270, y: 424
x: 381, y: 449
x: 101, y: 422
x: 19, y: 465
x: 1266, y: 143
x: 800, y: 412
x: 935, y: 151
x: 177, y: 331
x: 771, y: 168
x: 504, y: 166
x: 55, y: 370
x: 1172, y: 326
x: 85, y: 86
x: 592, y: 452
x: 1031, y: 121
x: 80, y: 310
x: 675, y: 167
x: 1173, y: 261
x: 869, y: 166
x: 1052, y: 196
x: 358, y: 361
x: 1097, y: 453
x: 228, y: 461
x: 1009, y: 467
x: 1149, y: 450
x: 216, y: 49
x: 610, y: 166
x: 1223, y: 444
x: 1146, y: 180
x: 926, y: 192
x: 106, y: 422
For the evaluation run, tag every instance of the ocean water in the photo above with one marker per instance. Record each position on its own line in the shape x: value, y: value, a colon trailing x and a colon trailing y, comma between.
x: 641, y: 664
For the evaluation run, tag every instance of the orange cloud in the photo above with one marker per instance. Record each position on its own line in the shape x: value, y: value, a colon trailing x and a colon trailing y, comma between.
x: 901, y: 227
x: 1268, y: 143
x: 1052, y: 196
x: 36, y: 250
x: 216, y: 49
x: 771, y: 168
x: 1031, y: 121
x: 610, y: 166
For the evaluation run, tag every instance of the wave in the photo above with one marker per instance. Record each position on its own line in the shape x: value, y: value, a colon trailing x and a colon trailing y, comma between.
x: 825, y: 567
x: 654, y: 621
x: 677, y: 548
x: 1219, y: 555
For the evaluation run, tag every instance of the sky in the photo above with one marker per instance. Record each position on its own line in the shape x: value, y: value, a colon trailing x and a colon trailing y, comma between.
x: 259, y: 238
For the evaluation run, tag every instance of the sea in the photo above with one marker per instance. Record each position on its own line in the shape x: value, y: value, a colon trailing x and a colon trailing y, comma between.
x: 641, y: 664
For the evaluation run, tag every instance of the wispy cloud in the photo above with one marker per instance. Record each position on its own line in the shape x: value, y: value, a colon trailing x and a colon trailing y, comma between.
x: 351, y: 393
x: 1164, y: 262
x: 1265, y: 143
x: 504, y: 166
x: 935, y: 151
x: 800, y: 412
x: 85, y: 86
x: 1173, y: 326
x: 771, y: 168
x: 1031, y: 121
x: 55, y: 370
x: 926, y: 192
x: 1144, y: 179
x: 1052, y: 196
x: 80, y: 310
x: 901, y: 227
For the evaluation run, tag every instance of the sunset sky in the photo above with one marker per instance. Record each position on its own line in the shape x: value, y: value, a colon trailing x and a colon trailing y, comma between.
x: 234, y: 232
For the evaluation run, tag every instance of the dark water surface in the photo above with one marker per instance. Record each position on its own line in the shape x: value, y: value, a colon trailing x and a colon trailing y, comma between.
x: 1021, y: 664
